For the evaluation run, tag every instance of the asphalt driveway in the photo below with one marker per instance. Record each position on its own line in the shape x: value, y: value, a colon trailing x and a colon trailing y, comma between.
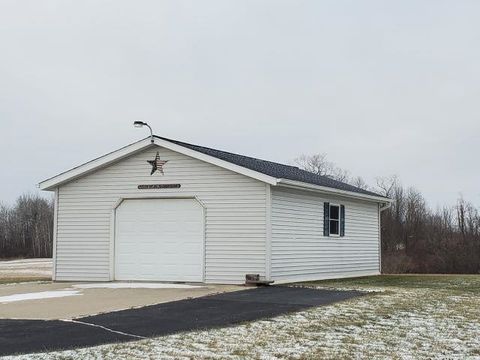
x: 28, y: 336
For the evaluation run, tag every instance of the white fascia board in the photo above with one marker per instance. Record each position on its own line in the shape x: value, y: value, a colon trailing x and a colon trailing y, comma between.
x: 93, y: 165
x: 216, y: 161
x: 386, y: 206
x: 328, y: 190
x: 52, y: 183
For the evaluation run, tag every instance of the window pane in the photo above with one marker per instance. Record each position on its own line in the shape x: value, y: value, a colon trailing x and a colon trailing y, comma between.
x: 334, y: 227
x: 334, y: 212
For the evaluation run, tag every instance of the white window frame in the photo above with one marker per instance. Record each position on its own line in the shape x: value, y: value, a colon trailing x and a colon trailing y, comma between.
x: 337, y: 220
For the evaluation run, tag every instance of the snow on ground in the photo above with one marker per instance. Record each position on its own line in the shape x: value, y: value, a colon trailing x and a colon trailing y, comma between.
x: 407, y: 320
x: 136, y: 285
x: 38, y: 295
x: 41, y: 268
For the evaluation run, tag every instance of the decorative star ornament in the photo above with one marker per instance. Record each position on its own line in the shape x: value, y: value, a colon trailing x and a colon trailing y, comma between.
x: 157, y: 164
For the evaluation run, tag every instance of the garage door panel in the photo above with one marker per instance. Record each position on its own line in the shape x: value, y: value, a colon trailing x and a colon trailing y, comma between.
x: 159, y: 239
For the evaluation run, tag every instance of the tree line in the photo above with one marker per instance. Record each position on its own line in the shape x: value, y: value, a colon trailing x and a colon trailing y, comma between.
x: 26, y: 228
x: 415, y: 238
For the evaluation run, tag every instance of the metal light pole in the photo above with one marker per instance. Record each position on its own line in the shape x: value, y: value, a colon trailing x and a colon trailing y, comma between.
x: 139, y: 124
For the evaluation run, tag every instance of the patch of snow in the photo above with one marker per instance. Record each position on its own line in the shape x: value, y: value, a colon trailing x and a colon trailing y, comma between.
x: 5, y: 264
x: 26, y: 268
x: 38, y: 295
x: 19, y: 272
x: 351, y: 288
x: 22, y: 282
x: 126, y: 285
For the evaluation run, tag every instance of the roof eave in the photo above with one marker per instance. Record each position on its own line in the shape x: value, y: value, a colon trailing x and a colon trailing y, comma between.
x: 93, y: 165
x: 328, y: 190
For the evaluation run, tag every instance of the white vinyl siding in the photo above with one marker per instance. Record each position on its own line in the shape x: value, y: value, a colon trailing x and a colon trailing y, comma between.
x: 235, y: 221
x: 301, y: 252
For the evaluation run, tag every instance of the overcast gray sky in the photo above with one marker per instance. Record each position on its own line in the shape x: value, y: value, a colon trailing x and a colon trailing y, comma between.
x: 382, y: 87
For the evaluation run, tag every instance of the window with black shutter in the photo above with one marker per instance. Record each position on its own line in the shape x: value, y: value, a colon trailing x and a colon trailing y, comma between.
x: 333, y: 219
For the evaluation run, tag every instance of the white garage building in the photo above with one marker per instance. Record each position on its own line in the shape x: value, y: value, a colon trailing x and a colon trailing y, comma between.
x: 172, y: 211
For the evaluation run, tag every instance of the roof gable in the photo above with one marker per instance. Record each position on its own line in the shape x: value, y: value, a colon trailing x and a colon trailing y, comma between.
x: 108, y: 159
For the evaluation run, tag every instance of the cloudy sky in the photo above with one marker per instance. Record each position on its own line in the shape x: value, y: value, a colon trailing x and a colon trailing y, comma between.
x: 382, y: 87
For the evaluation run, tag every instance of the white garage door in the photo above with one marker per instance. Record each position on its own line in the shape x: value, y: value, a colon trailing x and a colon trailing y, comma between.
x: 159, y: 239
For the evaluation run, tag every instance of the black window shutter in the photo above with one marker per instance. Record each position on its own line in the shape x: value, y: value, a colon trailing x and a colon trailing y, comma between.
x: 342, y: 220
x: 326, y: 219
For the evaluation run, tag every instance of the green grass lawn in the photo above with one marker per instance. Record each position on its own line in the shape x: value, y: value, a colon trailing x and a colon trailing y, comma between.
x: 400, y: 317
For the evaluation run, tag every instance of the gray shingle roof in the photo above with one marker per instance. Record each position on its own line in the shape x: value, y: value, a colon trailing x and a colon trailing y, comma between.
x: 276, y: 170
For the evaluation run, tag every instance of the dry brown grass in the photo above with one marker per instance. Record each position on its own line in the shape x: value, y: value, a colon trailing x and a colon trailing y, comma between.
x: 14, y: 280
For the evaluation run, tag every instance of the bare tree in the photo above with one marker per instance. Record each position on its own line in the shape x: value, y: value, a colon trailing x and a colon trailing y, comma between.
x: 26, y: 229
x: 341, y: 175
x: 360, y: 183
x: 320, y: 165
x: 317, y: 164
x: 387, y: 184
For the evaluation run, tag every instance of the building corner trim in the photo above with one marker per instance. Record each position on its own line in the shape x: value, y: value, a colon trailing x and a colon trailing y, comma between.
x: 268, y: 229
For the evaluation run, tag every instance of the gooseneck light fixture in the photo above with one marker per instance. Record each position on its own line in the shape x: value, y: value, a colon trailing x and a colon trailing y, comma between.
x: 139, y: 124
